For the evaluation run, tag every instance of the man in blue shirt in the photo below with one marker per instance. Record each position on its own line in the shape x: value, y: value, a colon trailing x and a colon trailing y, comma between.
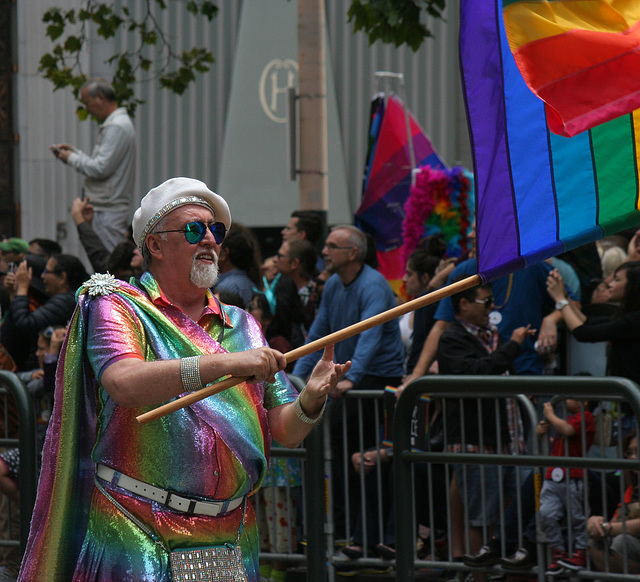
x: 354, y: 292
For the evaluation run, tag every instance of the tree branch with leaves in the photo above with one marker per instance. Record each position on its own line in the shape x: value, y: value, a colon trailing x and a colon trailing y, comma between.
x: 390, y: 21
x: 68, y: 29
x: 394, y: 21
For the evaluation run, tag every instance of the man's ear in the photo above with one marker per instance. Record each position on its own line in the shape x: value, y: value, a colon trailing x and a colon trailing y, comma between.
x: 153, y: 245
x: 295, y: 264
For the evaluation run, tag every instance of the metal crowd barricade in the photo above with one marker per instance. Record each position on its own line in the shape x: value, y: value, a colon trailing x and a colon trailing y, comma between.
x: 317, y: 528
x: 311, y: 513
x: 492, y: 387
x: 11, y: 385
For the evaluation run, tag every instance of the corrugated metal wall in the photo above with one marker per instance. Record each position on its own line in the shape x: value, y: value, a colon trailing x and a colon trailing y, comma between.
x: 184, y: 135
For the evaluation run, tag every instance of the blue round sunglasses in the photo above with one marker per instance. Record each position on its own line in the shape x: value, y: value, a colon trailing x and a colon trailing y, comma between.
x: 194, y: 232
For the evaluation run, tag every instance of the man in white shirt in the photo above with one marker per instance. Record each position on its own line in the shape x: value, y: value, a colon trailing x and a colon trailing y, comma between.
x: 110, y: 170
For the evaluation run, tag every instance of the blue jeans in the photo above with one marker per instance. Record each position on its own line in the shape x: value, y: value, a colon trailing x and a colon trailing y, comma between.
x: 480, y: 491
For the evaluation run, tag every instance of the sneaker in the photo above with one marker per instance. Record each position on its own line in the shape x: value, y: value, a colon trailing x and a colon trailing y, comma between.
x: 386, y: 552
x: 521, y: 559
x: 576, y: 562
x: 555, y: 568
x: 485, y: 556
x: 352, y: 552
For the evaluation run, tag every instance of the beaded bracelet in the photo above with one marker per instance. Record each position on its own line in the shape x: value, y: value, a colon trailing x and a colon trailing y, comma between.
x: 190, y: 373
x: 301, y: 414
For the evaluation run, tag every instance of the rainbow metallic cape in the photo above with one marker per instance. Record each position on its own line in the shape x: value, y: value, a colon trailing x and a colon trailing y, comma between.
x: 538, y: 194
x: 75, y: 441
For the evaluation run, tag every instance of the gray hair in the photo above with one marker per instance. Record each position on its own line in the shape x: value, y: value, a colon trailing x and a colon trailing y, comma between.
x: 99, y: 86
x: 357, y: 238
x: 146, y: 255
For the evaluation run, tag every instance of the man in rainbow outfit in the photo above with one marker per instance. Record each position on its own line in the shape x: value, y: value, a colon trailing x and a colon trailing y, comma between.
x: 115, y: 496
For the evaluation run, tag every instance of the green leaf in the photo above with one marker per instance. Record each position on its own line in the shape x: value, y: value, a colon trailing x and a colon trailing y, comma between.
x: 51, y: 14
x: 73, y: 44
x: 54, y: 31
x: 209, y: 9
x: 47, y: 61
x: 150, y: 37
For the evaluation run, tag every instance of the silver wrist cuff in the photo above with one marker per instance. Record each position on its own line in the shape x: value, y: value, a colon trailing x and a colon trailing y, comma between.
x: 303, y: 417
x: 190, y: 373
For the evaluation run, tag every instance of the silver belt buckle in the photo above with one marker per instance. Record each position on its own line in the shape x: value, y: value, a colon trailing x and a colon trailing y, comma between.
x: 170, y: 494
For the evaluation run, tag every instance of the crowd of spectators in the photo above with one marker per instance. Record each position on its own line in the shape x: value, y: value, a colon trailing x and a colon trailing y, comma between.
x: 314, y: 286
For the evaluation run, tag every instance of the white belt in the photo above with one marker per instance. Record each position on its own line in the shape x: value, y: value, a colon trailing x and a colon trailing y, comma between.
x: 164, y: 497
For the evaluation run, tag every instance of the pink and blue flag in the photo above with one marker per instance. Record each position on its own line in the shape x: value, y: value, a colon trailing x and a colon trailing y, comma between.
x: 538, y: 194
x: 397, y: 145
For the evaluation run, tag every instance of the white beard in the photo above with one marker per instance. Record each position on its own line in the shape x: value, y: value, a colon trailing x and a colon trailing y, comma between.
x: 204, y: 276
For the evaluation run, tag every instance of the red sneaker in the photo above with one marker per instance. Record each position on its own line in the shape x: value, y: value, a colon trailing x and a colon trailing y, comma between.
x: 576, y: 562
x: 555, y: 568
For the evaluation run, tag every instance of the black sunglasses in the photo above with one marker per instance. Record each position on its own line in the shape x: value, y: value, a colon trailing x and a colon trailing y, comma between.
x: 194, y: 232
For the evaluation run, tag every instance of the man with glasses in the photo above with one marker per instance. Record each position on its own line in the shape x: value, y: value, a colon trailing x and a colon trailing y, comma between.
x: 355, y: 292
x: 116, y: 497
x: 471, y: 345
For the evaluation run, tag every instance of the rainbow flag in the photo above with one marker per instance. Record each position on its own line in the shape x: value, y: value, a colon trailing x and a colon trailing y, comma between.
x: 581, y: 57
x: 537, y: 194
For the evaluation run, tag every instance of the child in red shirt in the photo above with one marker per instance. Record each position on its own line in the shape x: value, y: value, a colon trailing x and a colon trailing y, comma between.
x: 554, y: 495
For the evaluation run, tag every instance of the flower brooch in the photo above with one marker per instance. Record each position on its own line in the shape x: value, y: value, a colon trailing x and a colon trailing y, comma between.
x: 101, y: 284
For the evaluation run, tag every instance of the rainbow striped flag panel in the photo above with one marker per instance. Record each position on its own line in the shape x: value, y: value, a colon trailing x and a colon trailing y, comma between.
x: 538, y: 194
x: 581, y: 57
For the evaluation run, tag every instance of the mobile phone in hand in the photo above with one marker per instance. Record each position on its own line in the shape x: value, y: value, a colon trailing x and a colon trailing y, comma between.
x: 55, y: 149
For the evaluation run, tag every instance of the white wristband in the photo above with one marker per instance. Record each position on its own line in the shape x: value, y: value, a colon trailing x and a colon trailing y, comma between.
x: 302, y: 416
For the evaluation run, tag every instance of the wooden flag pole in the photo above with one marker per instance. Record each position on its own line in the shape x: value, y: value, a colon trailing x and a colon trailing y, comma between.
x: 319, y: 344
